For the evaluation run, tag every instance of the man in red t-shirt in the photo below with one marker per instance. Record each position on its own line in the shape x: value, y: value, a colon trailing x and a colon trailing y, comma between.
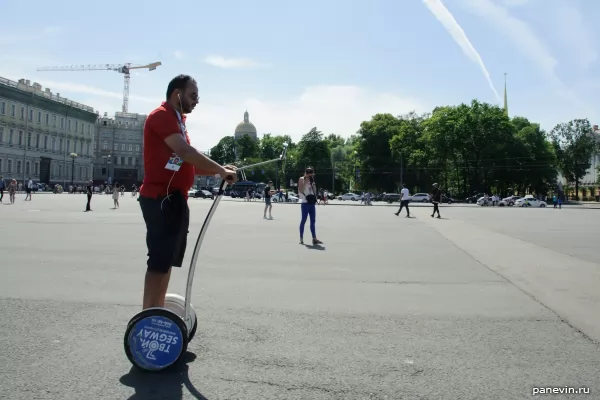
x: 170, y: 165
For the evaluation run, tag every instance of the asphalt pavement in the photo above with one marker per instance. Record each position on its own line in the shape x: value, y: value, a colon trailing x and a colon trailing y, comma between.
x: 482, y: 304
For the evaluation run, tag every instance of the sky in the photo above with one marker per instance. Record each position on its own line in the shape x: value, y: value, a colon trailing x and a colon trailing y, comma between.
x: 325, y: 64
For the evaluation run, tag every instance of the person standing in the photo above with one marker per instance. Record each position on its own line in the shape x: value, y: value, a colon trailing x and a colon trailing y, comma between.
x: 436, y: 198
x: 164, y: 192
x: 29, y: 189
x: 268, y: 205
x: 115, y: 194
x: 308, y: 200
x: 89, y: 190
x: 404, y: 200
x: 2, y: 187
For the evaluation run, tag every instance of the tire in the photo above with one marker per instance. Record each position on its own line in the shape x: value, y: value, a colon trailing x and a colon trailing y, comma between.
x: 146, y: 344
x: 542, y: 205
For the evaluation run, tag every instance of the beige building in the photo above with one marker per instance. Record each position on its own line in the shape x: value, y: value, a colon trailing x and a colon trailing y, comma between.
x: 44, y: 135
x: 119, y: 144
x: 245, y: 128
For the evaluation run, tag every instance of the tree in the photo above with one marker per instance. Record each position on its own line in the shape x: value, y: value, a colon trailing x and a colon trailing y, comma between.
x: 247, y: 147
x: 224, y: 152
x: 574, y: 144
x: 373, y: 160
x: 313, y: 150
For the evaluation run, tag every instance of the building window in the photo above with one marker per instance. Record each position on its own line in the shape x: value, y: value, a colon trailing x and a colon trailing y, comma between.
x: 9, y: 167
x: 19, y: 167
x: 53, y: 144
x: 1, y: 135
x: 123, y: 147
x: 87, y: 150
x: 76, y: 125
x: 81, y: 147
x: 116, y: 146
x: 68, y: 149
x: 36, y: 167
x: 61, y: 145
x: 122, y: 160
x: 105, y: 145
x: 89, y: 129
x: 47, y: 119
x: 130, y: 148
x: 54, y: 121
x: 137, y: 148
x: 13, y: 110
x: 28, y: 139
x: 22, y: 112
x: 3, y: 108
x: 39, y: 119
x: 20, y: 138
x: 68, y: 124
x: 31, y: 115
x: 45, y: 141
x: 11, y: 133
x: 62, y: 123
x: 37, y: 141
x: 80, y: 172
x: 27, y: 168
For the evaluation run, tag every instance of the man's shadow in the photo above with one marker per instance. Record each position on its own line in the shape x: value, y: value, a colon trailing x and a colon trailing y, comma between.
x: 164, y: 385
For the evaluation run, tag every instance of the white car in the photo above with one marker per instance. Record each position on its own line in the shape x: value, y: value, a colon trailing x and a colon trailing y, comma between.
x: 529, y: 201
x: 291, y: 199
x: 350, y: 196
x: 420, y: 198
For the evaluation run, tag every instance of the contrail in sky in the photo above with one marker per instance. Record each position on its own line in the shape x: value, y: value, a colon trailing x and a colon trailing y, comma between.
x: 439, y: 10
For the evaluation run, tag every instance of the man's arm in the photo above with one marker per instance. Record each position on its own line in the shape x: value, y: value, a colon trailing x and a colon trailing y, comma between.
x: 189, y: 154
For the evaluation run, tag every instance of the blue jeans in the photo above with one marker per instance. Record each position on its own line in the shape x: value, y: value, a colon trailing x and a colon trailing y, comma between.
x: 308, y: 210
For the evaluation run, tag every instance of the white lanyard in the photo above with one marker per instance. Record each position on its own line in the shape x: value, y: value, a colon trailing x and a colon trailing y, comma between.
x: 181, y: 125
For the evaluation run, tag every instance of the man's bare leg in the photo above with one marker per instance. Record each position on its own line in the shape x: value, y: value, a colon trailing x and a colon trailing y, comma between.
x: 155, y: 288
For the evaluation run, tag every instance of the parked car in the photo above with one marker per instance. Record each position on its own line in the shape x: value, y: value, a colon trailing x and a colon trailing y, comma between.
x: 350, y: 196
x: 420, y: 198
x: 529, y: 201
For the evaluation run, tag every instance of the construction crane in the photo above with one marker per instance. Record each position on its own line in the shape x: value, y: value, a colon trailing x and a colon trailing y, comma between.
x: 120, y: 68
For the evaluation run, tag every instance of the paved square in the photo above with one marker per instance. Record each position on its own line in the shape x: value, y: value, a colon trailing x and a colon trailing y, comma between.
x: 483, y: 304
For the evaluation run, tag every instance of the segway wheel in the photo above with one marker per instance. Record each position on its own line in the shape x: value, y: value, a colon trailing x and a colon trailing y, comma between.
x: 193, y: 331
x: 155, y: 339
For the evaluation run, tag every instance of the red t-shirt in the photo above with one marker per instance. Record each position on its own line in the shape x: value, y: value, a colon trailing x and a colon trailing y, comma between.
x: 161, y: 123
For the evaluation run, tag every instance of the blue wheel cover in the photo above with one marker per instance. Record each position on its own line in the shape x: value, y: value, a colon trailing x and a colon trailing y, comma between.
x: 155, y: 342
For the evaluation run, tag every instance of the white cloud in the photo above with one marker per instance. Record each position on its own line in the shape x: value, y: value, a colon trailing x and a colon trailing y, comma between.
x: 446, y: 18
x: 222, y: 62
x: 515, y: 3
x: 332, y: 109
x: 528, y: 43
x: 570, y: 28
x: 179, y: 54
x: 519, y: 32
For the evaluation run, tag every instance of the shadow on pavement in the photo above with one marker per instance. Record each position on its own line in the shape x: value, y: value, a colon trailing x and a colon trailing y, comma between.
x: 314, y: 246
x: 166, y: 385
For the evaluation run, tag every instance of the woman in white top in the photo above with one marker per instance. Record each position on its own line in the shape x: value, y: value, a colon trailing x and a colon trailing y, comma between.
x: 308, y: 199
x: 115, y: 195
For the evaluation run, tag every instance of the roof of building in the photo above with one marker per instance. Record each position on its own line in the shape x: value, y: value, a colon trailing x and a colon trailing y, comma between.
x: 245, y: 126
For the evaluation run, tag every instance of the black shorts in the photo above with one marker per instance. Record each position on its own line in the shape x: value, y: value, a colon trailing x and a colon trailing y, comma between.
x: 167, y: 222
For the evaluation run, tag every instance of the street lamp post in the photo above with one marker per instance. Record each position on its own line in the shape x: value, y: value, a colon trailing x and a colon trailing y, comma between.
x: 73, y: 157
x: 108, y: 162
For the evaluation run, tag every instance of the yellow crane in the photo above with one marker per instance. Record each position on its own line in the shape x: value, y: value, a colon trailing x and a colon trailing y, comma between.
x: 120, y: 68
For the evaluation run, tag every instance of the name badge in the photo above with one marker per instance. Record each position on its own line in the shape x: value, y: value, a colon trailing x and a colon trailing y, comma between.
x: 174, y: 163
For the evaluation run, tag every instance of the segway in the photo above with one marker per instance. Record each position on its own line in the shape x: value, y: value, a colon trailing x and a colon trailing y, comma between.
x: 157, y: 338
